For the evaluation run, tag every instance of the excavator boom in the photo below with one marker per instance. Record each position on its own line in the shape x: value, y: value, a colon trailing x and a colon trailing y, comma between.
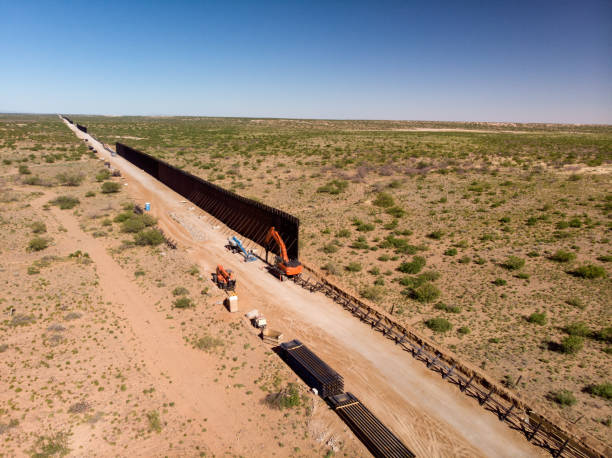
x: 284, y: 265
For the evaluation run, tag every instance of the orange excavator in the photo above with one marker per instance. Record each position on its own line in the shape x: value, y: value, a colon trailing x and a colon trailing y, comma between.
x: 283, y: 266
x: 224, y: 278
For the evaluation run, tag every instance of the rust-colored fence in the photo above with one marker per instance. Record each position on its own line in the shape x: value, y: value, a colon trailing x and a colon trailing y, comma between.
x: 245, y: 216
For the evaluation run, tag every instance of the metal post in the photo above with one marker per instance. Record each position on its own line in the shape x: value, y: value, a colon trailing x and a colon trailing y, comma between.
x: 467, y: 385
x: 506, y: 413
x: 433, y: 361
x: 534, y: 432
x: 449, y: 373
x: 486, y: 398
x: 560, y: 451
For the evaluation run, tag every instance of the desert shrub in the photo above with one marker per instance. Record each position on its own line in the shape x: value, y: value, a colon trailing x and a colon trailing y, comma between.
x: 102, y: 175
x: 464, y: 330
x: 578, y: 329
x: 32, y: 180
x: 396, y: 212
x: 384, y: 258
x: 384, y: 199
x: 109, y: 187
x: 464, y: 260
x: 180, y: 291
x: 436, y: 235
x: 572, y: 344
x: 605, y: 334
x: 603, y: 390
x: 414, y: 266
x: 38, y: 227
x: 353, y: 266
x: 90, y: 194
x: 538, y: 318
x: 154, y: 421
x: 399, y: 244
x: 38, y: 244
x: 70, y: 179
x: 329, y: 248
x: 448, y: 308
x: 65, y: 202
x: 373, y: 293
x: 564, y: 398
x: 183, y: 303
x: 208, y: 343
x: 121, y: 217
x: 427, y: 292
x: 562, y: 256
x: 287, y: 398
x: 450, y: 252
x: 589, y: 271
x: 148, y: 237
x: 332, y: 268
x: 513, y: 263
x: 576, y: 302
x: 333, y: 187
x: 439, y: 324
x: 136, y: 223
x: 24, y: 170
x: 47, y: 446
x: 499, y: 282
x: 344, y: 233
x: 365, y: 227
x: 605, y: 258
x: 504, y: 219
x: 360, y: 244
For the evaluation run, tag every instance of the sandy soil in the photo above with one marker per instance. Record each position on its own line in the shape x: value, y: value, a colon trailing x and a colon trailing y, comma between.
x: 431, y: 416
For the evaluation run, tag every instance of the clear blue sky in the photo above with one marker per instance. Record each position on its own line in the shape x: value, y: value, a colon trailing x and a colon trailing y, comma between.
x: 526, y: 61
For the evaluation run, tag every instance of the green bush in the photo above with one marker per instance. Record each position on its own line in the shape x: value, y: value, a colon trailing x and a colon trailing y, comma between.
x: 329, y: 248
x: 344, y: 233
x: 287, y: 398
x: 578, y: 329
x: 24, y: 170
x: 499, y: 282
x: 605, y: 258
x: 513, y: 263
x: 353, y: 267
x: 572, y: 344
x: 564, y: 398
x: 70, y: 179
x: 38, y: 244
x: 208, y: 343
x: 538, y: 318
x: 427, y: 292
x: 384, y: 199
x: 32, y: 181
x: 605, y: 334
x: 374, y: 293
x: 464, y: 330
x: 109, y: 187
x: 603, y: 390
x: 589, y: 271
x: 576, y: 302
x: 396, y: 212
x: 65, y: 202
x: 439, y: 324
x: 333, y: 187
x: 38, y: 227
x: 148, y: 237
x: 154, y: 421
x: 135, y: 223
x: 562, y: 256
x: 332, y: 268
x: 414, y: 266
x: 102, y: 175
x: 183, y: 303
x: 451, y: 252
x: 180, y: 291
x: 436, y: 235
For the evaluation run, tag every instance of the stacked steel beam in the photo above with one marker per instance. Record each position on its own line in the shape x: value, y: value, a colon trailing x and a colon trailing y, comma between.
x: 316, y: 373
x: 379, y: 440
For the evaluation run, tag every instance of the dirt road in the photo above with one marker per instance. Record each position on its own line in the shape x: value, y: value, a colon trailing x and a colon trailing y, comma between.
x: 432, y: 417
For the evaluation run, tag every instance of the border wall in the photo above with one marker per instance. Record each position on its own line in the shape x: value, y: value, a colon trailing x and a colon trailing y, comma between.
x: 249, y: 218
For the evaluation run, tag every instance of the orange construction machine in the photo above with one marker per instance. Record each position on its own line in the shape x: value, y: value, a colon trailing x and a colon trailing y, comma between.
x: 224, y: 278
x: 283, y: 266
